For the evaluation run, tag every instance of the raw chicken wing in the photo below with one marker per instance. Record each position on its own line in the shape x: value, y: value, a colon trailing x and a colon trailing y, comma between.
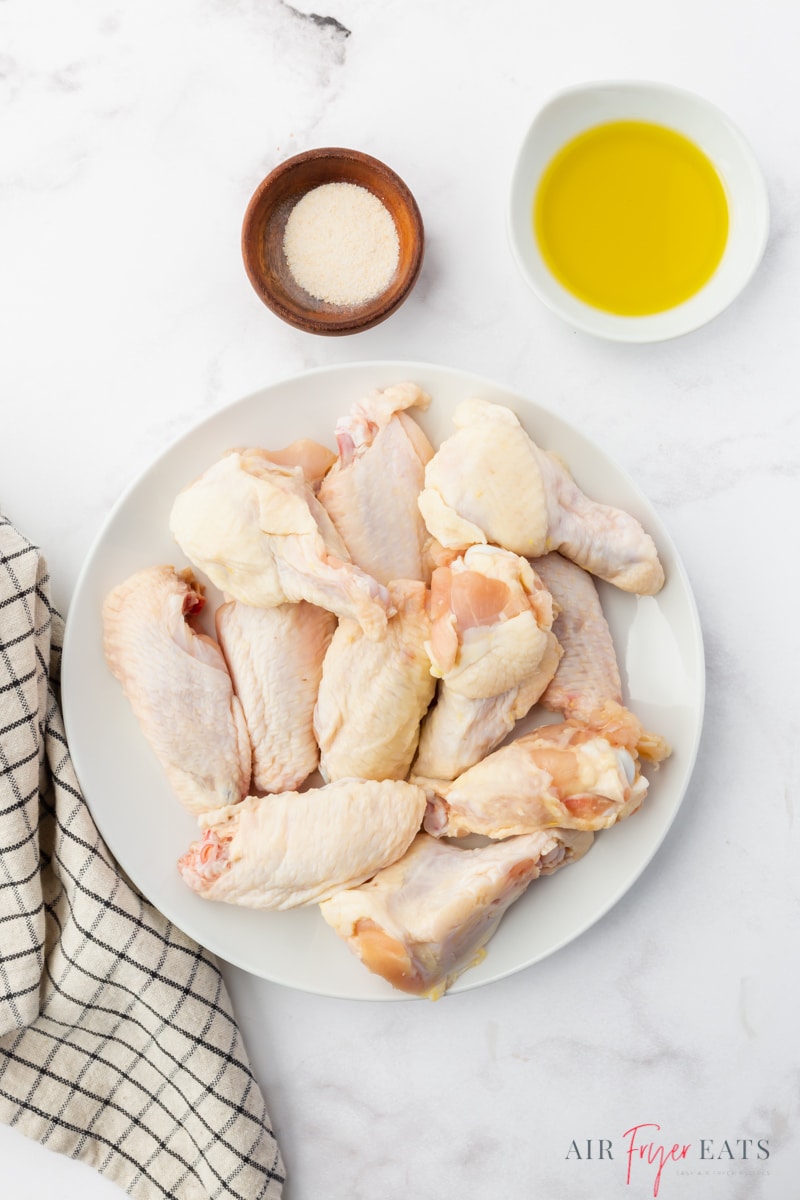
x: 494, y: 652
x: 568, y: 775
x: 586, y: 687
x: 257, y: 530
x: 489, y: 482
x: 300, y: 847
x: 275, y: 659
x: 426, y: 919
x: 588, y: 674
x: 373, y: 695
x: 371, y: 492
x: 178, y: 686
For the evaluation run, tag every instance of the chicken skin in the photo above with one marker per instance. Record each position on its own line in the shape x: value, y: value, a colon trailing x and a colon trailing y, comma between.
x: 588, y: 673
x: 586, y: 687
x: 489, y: 482
x: 274, y: 656
x: 314, y: 459
x: 257, y: 530
x: 426, y: 919
x: 371, y: 492
x: 373, y: 695
x: 568, y: 775
x: 297, y: 848
x: 494, y: 652
x: 178, y: 686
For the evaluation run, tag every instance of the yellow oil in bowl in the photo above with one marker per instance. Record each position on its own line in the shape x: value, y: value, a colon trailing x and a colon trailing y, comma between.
x: 631, y: 217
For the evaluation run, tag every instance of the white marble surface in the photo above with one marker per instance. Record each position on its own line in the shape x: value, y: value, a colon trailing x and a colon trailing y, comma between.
x: 132, y: 136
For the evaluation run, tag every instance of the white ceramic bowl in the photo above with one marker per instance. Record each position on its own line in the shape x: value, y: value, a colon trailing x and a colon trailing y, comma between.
x: 576, y: 109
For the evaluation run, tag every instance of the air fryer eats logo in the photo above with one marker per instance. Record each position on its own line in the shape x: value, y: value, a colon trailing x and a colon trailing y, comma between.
x: 647, y: 1155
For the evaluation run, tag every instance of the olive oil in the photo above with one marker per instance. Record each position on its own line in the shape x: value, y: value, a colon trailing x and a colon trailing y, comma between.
x: 631, y: 217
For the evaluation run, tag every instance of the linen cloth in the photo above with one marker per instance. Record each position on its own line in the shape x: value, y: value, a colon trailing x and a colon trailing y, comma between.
x: 118, y: 1044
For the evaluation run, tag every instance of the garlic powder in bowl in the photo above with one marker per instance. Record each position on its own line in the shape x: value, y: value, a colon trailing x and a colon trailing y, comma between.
x: 341, y: 244
x: 332, y: 241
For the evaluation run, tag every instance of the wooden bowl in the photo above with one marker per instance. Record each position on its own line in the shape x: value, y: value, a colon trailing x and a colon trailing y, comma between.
x: 265, y: 223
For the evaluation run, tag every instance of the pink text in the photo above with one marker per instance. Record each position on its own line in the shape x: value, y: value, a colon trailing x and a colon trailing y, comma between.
x: 651, y: 1152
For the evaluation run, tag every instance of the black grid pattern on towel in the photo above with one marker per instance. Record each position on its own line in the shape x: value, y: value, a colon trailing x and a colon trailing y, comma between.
x: 118, y: 1045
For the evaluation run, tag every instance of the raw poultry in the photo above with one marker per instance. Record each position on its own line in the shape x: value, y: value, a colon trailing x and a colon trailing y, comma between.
x: 178, y: 686
x: 374, y: 694
x: 357, y: 587
x: 588, y: 673
x: 493, y: 651
x: 424, y: 920
x: 275, y: 660
x: 371, y: 491
x: 299, y: 848
x: 489, y: 482
x: 259, y: 533
x: 567, y: 775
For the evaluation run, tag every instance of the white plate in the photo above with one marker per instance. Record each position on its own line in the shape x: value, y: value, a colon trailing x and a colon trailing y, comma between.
x: 658, y: 641
x: 578, y: 108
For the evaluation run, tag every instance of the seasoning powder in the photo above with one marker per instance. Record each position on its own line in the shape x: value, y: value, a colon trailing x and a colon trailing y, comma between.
x: 341, y: 244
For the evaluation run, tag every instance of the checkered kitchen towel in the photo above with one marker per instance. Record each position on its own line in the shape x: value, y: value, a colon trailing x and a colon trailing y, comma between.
x: 118, y: 1045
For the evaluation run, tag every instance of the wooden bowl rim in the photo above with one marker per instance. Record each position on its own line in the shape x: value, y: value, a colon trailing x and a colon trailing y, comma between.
x: 356, y: 318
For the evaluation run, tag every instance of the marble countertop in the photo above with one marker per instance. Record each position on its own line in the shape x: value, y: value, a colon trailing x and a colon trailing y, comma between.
x: 132, y: 138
